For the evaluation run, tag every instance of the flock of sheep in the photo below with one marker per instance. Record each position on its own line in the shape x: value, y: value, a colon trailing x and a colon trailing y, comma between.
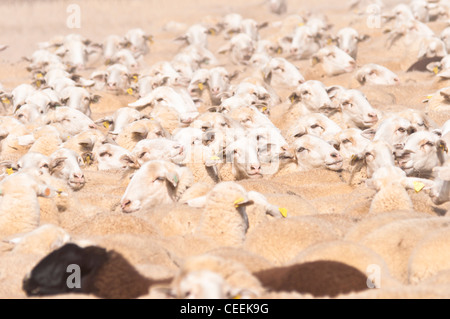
x: 287, y: 158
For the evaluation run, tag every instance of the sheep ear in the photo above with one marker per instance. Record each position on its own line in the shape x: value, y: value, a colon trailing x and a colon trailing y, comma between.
x: 173, y: 178
x: 140, y: 133
x: 86, y: 143
x: 198, y: 202
x: 361, y: 77
x: 369, y: 133
x: 315, y: 59
x: 433, y: 67
x: 56, y: 164
x: 263, y: 25
x: 88, y: 158
x: 95, y: 99
x: 363, y: 37
x: 225, y: 48
x: 129, y: 161
x: 234, y: 75
x: 182, y: 38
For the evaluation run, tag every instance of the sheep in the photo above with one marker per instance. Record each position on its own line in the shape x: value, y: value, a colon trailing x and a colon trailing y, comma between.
x: 394, y: 130
x: 351, y: 141
x: 277, y: 6
x: 390, y: 182
x: 377, y: 154
x: 135, y: 131
x: 313, y: 152
x: 66, y: 165
x: 375, y: 74
x: 421, y: 153
x: 156, y: 182
x: 136, y: 40
x: 238, y: 278
x: 68, y: 121
x: 349, y: 253
x: 112, y: 275
x: 315, y: 124
x: 399, y: 241
x: 196, y: 34
x: 169, y: 97
x: 279, y: 72
x: 158, y: 149
x: 334, y: 61
x: 110, y: 156
x: 84, y: 142
x: 19, y: 211
x: 440, y: 193
x: 47, y: 140
x: 79, y: 98
x: 303, y: 43
x: 274, y: 240
x: 41, y: 240
x: 241, y: 48
x: 347, y: 40
x: 429, y: 257
x: 322, y: 278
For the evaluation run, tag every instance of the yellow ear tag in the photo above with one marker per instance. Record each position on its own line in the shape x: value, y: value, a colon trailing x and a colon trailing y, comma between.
x: 435, y: 70
x: 215, y: 158
x: 108, y: 62
x: 38, y: 83
x: 39, y: 75
x: 292, y: 99
x: 212, y: 32
x: 264, y: 108
x: 279, y: 51
x: 283, y: 211
x: 135, y: 78
x: 200, y: 86
x: 130, y: 91
x: 443, y: 147
x: 301, y: 24
x: 429, y: 96
x: 329, y: 41
x: 237, y: 296
x: 315, y: 61
x: 88, y: 159
x: 9, y: 171
x: 6, y: 100
x: 238, y: 201
x: 106, y: 124
x: 418, y: 186
x: 59, y: 192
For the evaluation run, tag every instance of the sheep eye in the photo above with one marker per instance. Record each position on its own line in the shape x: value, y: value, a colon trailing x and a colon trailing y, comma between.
x: 368, y: 154
x: 20, y: 116
x: 315, y: 126
x: 160, y: 178
x: 103, y: 154
x: 347, y: 103
x: 45, y: 166
x: 160, y: 99
x: 305, y: 92
x: 301, y: 149
x: 346, y: 141
x: 331, y: 55
x: 401, y: 130
x: 142, y: 154
x: 429, y: 143
x: 421, y: 124
x: 159, y: 133
x: 223, y: 124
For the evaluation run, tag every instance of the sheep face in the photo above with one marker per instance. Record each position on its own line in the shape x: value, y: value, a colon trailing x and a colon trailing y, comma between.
x: 111, y: 156
x: 243, y: 153
x: 374, y: 74
x: 313, y: 94
x: 348, y: 39
x: 351, y: 142
x: 377, y: 154
x: 394, y: 130
x: 357, y: 110
x: 153, y: 184
x: 65, y: 164
x: 421, y: 153
x: 160, y: 148
x: 304, y: 43
x: 313, y: 152
x: 334, y: 61
x: 35, y: 161
x: 280, y: 72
